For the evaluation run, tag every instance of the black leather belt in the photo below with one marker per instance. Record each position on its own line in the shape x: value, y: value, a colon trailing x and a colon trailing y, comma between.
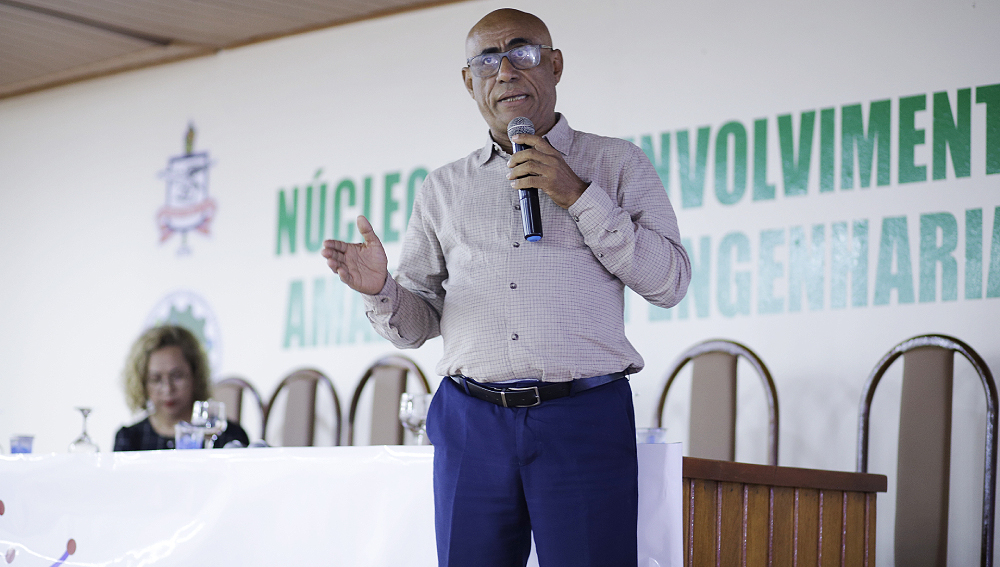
x: 531, y: 394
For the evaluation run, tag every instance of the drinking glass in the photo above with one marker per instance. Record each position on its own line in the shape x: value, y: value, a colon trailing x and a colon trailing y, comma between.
x: 21, y: 443
x: 83, y: 443
x: 187, y: 436
x: 650, y: 434
x: 210, y: 415
x: 413, y: 414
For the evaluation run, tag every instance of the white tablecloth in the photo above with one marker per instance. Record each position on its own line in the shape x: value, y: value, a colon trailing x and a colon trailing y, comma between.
x: 350, y: 506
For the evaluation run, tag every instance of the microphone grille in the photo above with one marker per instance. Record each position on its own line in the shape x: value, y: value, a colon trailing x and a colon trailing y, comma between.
x: 520, y: 125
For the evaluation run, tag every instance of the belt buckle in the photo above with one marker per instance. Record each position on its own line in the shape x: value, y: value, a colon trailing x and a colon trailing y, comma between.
x: 538, y: 397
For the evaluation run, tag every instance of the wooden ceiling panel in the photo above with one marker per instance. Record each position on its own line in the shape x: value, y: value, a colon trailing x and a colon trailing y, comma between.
x: 35, y: 44
x: 145, y: 57
x: 44, y: 43
x: 218, y: 22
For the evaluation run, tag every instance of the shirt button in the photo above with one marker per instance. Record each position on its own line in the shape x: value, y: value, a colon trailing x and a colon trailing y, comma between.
x: 600, y: 254
x: 517, y: 207
x: 577, y: 219
x: 513, y: 337
x: 517, y: 245
x: 513, y: 286
x: 384, y: 299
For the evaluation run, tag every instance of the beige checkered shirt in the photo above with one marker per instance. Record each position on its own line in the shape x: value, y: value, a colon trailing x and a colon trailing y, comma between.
x: 553, y: 310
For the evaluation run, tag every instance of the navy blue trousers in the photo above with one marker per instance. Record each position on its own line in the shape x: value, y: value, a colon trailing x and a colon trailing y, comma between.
x: 565, y: 470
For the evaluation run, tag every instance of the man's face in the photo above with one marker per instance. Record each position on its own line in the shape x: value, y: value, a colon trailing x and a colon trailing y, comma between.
x: 513, y: 92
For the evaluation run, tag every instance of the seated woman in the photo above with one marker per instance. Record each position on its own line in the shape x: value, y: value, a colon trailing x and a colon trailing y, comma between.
x: 165, y: 373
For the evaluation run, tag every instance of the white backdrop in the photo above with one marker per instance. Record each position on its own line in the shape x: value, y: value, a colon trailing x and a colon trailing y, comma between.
x: 374, y: 103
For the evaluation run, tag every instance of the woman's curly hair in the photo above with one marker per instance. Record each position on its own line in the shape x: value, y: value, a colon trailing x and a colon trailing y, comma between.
x: 137, y: 365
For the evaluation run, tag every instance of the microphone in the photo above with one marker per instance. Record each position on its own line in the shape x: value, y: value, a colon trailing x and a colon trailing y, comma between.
x: 531, y: 211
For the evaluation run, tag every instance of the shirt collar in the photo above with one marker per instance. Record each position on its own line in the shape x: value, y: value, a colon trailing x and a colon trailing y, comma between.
x: 560, y: 136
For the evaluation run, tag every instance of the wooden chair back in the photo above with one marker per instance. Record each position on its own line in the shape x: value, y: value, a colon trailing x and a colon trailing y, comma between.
x: 713, y: 398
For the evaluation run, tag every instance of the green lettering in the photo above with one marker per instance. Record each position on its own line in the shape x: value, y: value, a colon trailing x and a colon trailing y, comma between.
x: 344, y: 189
x: 849, y: 262
x: 827, y: 150
x: 738, y: 133
x: 391, y: 205
x: 314, y: 244
x: 701, y: 273
x: 738, y: 243
x: 341, y: 300
x: 367, y: 207
x: 762, y: 190
x: 692, y: 182
x: 932, y: 254
x: 954, y: 133
x: 909, y: 138
x: 894, y: 249
x: 287, y: 217
x: 698, y: 290
x: 993, y: 276
x: 853, y: 135
x: 806, y: 266
x: 295, y: 326
x: 322, y: 313
x: 769, y: 270
x: 796, y: 171
x: 990, y: 96
x: 859, y: 265
x: 974, y: 254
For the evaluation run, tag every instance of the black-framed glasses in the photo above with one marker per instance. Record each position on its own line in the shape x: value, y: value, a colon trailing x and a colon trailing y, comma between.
x: 521, y: 57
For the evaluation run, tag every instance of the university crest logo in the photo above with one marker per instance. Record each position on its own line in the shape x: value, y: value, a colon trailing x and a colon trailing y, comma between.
x: 188, y: 206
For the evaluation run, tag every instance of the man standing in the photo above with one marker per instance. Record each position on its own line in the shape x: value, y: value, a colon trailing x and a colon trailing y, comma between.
x: 533, y: 427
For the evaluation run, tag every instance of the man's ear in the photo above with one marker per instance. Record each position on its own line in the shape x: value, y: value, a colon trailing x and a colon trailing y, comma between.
x: 467, y: 79
x: 557, y: 64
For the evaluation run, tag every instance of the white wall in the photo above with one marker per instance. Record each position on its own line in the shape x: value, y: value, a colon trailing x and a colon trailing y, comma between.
x: 80, y: 183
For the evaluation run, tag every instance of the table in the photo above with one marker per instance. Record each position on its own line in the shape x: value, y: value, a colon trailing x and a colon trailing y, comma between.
x: 373, y: 506
x: 344, y: 506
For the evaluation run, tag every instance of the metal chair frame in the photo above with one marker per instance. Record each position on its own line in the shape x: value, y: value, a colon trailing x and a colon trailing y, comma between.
x: 307, y: 373
x: 990, y: 465
x: 738, y: 350
x: 397, y: 361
